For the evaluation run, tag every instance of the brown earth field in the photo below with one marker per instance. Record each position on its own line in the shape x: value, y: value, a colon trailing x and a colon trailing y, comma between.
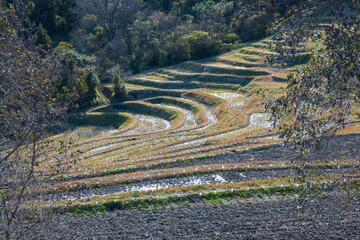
x: 280, y: 219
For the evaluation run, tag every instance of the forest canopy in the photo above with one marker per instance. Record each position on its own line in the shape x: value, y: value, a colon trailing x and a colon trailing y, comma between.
x: 137, y: 35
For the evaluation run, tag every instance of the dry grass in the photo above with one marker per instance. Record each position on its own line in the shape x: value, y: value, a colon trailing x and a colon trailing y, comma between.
x: 220, y: 92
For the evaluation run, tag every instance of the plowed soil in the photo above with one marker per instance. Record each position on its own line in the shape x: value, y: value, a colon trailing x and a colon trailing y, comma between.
x: 267, y: 220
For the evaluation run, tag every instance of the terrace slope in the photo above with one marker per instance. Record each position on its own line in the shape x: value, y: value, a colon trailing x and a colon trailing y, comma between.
x: 193, y: 130
x: 182, y: 112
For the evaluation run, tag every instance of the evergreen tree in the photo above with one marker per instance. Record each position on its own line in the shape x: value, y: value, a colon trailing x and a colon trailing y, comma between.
x: 92, y: 81
x: 43, y: 38
x: 119, y: 87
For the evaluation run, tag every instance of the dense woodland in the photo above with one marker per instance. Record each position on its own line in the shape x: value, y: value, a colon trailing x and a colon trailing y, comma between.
x: 99, y: 38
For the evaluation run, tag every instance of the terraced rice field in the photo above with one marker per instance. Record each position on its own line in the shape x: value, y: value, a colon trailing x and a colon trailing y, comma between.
x: 197, y: 129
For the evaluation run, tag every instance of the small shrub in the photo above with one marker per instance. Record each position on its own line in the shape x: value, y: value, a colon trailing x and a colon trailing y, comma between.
x: 120, y: 91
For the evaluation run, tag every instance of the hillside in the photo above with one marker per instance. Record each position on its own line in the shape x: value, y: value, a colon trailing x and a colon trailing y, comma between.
x: 193, y: 141
x: 179, y: 119
x: 194, y: 128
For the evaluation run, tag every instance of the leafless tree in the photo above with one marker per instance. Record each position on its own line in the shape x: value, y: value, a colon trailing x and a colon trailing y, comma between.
x: 112, y: 15
x: 321, y: 96
x: 32, y: 101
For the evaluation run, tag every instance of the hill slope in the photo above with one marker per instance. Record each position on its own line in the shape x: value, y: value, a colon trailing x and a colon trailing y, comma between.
x: 192, y: 130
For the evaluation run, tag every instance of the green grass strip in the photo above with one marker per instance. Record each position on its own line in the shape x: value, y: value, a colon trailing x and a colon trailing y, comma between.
x: 147, y: 203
